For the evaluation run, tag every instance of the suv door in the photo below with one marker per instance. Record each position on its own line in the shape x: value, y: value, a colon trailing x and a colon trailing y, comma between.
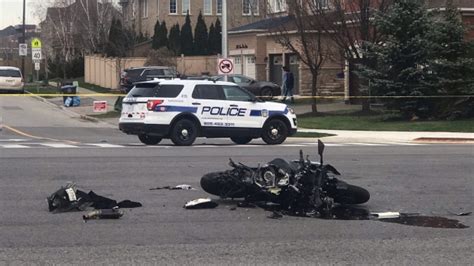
x: 241, y: 103
x: 209, y: 99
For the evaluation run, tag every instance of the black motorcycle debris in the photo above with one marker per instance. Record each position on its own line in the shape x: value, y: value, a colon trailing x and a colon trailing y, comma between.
x: 69, y: 198
x: 300, y: 187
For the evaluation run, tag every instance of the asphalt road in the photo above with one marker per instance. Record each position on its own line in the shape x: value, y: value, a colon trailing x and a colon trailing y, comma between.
x: 435, y: 180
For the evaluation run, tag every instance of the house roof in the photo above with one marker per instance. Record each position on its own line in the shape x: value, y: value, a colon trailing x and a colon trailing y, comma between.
x: 262, y: 25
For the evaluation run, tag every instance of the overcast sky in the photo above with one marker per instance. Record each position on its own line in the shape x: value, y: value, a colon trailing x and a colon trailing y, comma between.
x: 11, y: 13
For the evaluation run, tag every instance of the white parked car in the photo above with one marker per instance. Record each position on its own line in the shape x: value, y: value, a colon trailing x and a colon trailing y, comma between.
x: 183, y: 110
x: 11, y: 79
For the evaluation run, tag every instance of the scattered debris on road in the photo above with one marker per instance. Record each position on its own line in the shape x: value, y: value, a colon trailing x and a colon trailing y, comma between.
x: 114, y: 213
x: 178, y: 187
x: 69, y: 198
x: 200, y: 204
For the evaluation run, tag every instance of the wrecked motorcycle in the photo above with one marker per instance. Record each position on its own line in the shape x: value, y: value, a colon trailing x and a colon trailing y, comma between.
x: 300, y: 186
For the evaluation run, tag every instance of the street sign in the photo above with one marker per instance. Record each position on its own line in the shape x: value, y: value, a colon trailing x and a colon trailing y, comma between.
x: 23, y: 49
x: 100, y: 106
x: 35, y: 43
x: 225, y: 66
x: 37, y: 66
x: 36, y: 54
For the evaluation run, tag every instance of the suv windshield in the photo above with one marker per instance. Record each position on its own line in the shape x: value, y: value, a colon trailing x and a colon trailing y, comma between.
x: 155, y: 90
x: 10, y: 73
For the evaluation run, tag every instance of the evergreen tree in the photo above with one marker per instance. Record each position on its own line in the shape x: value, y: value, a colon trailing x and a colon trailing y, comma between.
x: 200, y: 37
x: 211, y: 39
x: 451, y: 65
x: 163, y: 35
x: 218, y: 38
x: 156, y: 36
x: 174, y: 40
x: 400, y: 60
x: 118, y: 42
x: 187, y: 37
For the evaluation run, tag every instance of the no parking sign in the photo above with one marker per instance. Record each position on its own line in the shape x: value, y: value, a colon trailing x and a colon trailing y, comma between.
x: 225, y: 66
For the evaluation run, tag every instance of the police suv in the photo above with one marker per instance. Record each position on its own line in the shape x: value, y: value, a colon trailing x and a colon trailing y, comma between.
x: 183, y: 110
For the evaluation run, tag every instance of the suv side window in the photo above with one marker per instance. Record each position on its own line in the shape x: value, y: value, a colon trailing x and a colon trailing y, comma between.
x: 208, y: 92
x: 153, y: 72
x: 133, y: 73
x: 235, y: 93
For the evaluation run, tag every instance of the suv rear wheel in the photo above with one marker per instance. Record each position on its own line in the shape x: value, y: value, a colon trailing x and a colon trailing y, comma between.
x: 274, y: 132
x: 241, y: 140
x: 149, y: 140
x: 184, y: 132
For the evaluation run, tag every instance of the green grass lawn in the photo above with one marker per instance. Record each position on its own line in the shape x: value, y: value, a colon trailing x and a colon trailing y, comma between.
x: 43, y: 91
x: 376, y: 122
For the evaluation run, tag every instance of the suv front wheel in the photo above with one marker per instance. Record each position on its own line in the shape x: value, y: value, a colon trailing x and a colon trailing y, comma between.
x: 149, y: 140
x: 274, y: 132
x: 184, y: 132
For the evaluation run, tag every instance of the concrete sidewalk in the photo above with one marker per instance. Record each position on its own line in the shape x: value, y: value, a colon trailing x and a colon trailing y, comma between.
x: 85, y: 110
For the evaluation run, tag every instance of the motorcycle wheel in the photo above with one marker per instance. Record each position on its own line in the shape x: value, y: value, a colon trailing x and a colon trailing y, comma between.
x: 352, y: 195
x: 222, y: 184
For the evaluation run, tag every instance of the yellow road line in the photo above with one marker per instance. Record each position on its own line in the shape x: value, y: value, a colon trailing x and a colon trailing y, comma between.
x: 37, y: 137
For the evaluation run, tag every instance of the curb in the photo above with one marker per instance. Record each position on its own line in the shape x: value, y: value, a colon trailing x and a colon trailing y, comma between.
x: 89, y: 118
x: 445, y: 140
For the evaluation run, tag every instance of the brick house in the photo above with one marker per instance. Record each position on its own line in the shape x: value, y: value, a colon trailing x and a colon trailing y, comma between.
x: 141, y: 15
x: 256, y: 54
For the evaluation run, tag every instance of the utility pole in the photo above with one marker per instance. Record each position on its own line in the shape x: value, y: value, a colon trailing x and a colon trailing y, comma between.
x: 224, y: 32
x: 24, y: 41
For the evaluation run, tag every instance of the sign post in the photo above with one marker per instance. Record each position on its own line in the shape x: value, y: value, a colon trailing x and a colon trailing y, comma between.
x: 23, y: 49
x: 36, y: 54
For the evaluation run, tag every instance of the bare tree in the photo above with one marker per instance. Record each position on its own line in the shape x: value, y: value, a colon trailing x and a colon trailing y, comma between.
x: 349, y: 25
x: 302, y: 36
x: 72, y: 29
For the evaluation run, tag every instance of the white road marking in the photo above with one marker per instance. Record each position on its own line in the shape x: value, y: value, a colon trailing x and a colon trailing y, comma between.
x: 14, y: 146
x: 58, y: 145
x: 105, y: 145
x: 13, y: 140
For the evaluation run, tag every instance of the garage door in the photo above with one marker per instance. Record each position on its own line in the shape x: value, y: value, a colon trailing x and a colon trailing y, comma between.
x: 249, y: 69
x: 237, y: 64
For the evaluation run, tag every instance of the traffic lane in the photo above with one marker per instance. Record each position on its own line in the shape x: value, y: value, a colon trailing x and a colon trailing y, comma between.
x: 70, y: 134
x: 31, y: 111
x: 130, y: 173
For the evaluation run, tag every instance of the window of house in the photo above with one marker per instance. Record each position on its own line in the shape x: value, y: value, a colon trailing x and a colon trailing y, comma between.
x: 173, y: 7
x: 207, y: 7
x: 185, y: 8
x: 250, y: 7
x: 277, y: 6
x: 144, y: 8
x: 218, y: 7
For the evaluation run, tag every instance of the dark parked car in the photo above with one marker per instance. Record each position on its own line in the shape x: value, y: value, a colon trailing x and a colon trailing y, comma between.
x: 134, y: 74
x: 264, y: 89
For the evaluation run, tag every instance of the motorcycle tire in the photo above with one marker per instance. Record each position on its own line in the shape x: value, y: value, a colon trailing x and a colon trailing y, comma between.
x: 352, y: 195
x: 222, y: 184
